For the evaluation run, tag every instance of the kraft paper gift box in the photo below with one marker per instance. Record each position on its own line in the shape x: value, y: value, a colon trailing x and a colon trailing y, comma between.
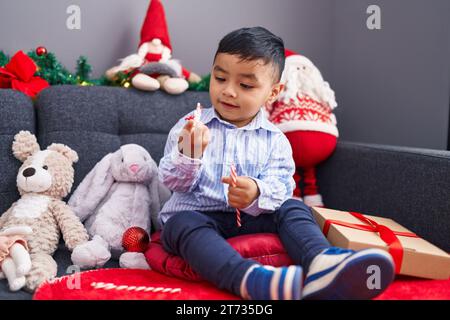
x: 413, y: 256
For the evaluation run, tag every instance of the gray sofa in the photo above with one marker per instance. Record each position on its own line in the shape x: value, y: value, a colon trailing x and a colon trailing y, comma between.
x: 411, y: 186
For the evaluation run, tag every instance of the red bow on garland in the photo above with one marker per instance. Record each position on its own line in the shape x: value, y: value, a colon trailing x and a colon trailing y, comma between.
x: 19, y: 73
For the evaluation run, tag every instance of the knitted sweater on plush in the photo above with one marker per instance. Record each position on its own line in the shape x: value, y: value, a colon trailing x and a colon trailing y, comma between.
x: 302, y: 113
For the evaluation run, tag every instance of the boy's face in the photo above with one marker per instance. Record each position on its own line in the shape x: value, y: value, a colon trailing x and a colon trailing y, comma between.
x: 239, y: 88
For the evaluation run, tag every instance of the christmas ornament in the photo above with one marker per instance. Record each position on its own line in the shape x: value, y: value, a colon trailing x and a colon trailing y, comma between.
x: 18, y: 74
x: 135, y: 239
x: 52, y: 71
x: 40, y: 51
x: 155, y: 68
x: 304, y: 112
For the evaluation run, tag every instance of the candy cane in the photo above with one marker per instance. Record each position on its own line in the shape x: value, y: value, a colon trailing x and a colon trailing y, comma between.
x: 233, y: 184
x: 112, y: 286
x: 197, y: 114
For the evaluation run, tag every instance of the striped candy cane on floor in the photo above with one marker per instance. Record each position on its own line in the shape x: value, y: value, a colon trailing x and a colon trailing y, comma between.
x: 112, y: 286
x: 233, y: 184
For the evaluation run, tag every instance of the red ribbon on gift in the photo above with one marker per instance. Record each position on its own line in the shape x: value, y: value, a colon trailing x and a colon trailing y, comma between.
x: 386, y: 234
x: 19, y: 73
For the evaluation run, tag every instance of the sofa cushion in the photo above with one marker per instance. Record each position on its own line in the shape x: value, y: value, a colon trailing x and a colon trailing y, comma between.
x: 17, y: 113
x: 265, y: 248
x: 409, y: 185
x: 97, y: 120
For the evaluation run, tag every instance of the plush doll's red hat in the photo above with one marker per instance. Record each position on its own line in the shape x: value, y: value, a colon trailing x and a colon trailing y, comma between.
x: 290, y: 55
x: 155, y: 25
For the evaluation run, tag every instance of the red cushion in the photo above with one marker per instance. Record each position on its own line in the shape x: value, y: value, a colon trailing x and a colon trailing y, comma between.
x: 265, y: 248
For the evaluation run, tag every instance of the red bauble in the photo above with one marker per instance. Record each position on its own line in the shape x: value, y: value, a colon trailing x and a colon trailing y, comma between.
x: 135, y: 239
x: 41, y: 51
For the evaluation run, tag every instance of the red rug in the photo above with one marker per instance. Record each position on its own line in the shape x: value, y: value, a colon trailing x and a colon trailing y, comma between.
x: 127, y: 284
x: 409, y: 288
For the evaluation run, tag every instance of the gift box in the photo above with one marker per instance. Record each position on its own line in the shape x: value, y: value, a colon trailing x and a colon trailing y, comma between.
x: 412, y: 255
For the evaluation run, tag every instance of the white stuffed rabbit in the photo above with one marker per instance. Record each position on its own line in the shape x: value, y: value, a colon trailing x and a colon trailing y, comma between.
x: 120, y: 192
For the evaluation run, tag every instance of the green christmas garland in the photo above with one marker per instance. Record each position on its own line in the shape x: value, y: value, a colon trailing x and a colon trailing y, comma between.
x: 50, y: 69
x: 3, y: 59
x: 203, y: 85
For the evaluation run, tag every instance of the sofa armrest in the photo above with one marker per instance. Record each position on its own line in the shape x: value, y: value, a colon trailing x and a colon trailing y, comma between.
x: 409, y: 185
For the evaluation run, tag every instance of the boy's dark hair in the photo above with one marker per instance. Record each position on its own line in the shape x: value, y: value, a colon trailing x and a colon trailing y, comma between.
x: 253, y: 44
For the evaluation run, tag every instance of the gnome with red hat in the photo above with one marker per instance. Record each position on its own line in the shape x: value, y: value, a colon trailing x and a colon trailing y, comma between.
x: 304, y: 112
x: 153, y: 67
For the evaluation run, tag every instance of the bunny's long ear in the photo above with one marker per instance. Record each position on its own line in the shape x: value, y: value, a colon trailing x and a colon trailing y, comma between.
x: 92, y: 189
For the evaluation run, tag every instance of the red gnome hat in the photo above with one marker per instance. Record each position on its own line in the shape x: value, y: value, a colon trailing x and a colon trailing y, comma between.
x: 155, y: 25
x: 291, y: 55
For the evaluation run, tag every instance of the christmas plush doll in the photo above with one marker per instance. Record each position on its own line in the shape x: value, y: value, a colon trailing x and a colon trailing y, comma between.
x: 153, y: 67
x: 304, y: 113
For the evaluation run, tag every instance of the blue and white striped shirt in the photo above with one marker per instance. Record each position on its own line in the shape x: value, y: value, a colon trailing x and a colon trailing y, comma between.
x: 259, y: 150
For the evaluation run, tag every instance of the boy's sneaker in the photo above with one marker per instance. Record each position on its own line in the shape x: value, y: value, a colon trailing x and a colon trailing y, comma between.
x: 346, y: 274
x: 270, y: 283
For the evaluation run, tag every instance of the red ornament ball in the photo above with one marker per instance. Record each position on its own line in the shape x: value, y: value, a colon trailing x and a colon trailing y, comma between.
x: 40, y: 51
x: 135, y: 239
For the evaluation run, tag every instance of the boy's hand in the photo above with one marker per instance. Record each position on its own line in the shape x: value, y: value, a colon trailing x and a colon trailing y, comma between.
x: 193, y: 139
x: 243, y: 194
